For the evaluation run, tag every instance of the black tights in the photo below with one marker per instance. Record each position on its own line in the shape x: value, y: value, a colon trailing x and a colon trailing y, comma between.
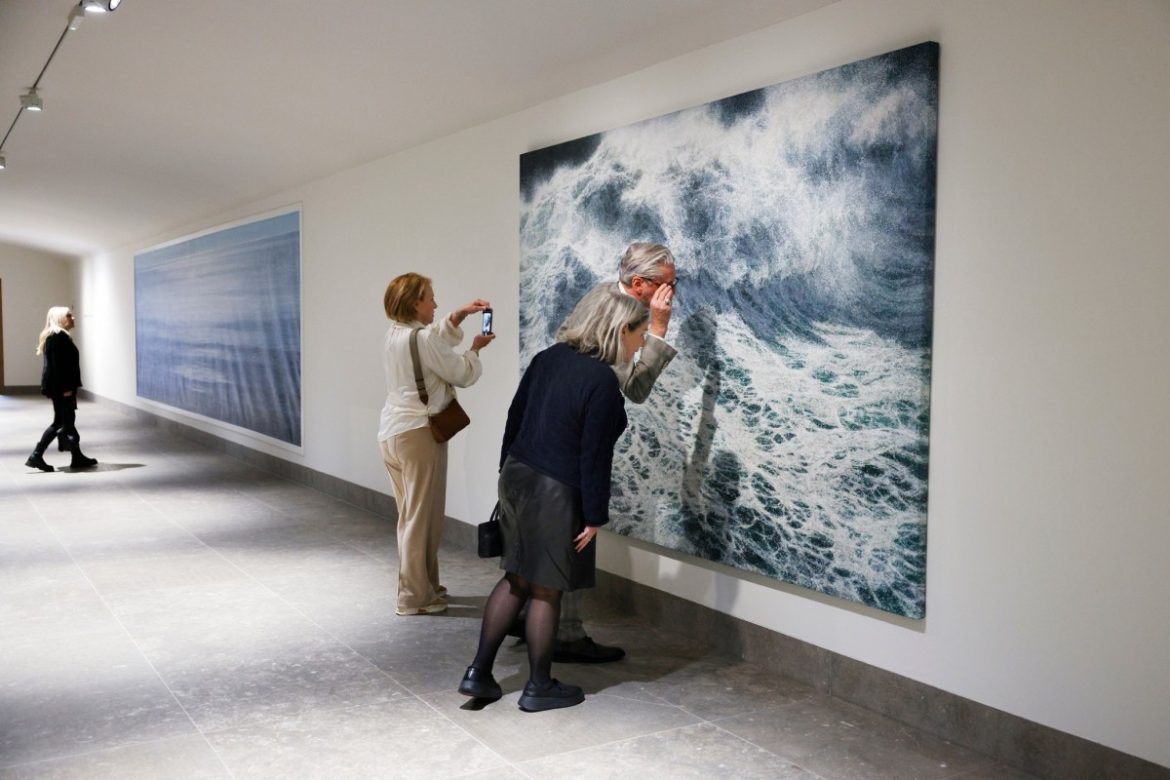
x: 64, y: 423
x: 540, y: 626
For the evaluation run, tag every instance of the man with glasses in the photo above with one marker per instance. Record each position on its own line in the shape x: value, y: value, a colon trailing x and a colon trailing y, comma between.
x: 646, y: 273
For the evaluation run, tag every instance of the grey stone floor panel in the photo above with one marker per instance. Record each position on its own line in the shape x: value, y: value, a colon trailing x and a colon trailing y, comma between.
x: 133, y: 572
x: 522, y: 736
x: 177, y: 613
x: 178, y: 758
x: 400, y: 739
x: 226, y: 691
x: 691, y: 752
x: 835, y: 739
x: 239, y: 619
x: 60, y: 721
x: 76, y: 606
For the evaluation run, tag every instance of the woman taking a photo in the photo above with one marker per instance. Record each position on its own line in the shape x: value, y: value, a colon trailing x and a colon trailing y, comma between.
x: 556, y: 459
x: 415, y: 461
x: 60, y: 378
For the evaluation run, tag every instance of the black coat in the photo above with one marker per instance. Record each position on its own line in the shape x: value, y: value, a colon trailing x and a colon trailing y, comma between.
x: 61, y: 369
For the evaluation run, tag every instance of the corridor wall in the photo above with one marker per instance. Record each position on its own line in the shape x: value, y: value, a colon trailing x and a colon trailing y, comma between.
x: 1047, y: 540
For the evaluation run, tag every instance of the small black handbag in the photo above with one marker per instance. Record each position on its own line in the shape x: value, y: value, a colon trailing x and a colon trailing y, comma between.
x: 491, y: 543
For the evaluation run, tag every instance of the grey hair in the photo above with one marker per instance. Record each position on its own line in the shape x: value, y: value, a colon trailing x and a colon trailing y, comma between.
x: 645, y: 260
x: 54, y: 323
x: 594, y: 327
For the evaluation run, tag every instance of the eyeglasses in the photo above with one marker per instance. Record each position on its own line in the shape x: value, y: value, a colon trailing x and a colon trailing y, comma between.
x: 672, y: 285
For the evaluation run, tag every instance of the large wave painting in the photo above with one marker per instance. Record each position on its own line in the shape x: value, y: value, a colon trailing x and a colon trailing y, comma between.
x: 789, y: 437
x: 218, y: 325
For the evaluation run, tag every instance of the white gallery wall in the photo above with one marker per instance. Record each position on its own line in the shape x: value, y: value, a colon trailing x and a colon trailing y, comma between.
x: 1049, y: 540
x: 32, y: 281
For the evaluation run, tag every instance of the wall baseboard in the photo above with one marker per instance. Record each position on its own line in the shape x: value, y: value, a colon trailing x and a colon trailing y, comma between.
x: 1012, y: 740
x: 20, y: 390
x: 1007, y: 738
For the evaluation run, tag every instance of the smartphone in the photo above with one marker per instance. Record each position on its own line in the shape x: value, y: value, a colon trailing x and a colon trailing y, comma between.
x: 487, y: 322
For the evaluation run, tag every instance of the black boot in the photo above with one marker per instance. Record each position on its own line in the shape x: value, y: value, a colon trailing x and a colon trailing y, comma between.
x: 82, y: 462
x: 37, y: 461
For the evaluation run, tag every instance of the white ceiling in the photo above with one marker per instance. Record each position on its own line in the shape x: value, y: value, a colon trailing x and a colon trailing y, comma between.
x: 167, y: 111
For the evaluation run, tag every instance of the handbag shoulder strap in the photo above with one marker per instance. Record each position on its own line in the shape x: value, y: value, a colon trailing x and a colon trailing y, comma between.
x: 418, y: 375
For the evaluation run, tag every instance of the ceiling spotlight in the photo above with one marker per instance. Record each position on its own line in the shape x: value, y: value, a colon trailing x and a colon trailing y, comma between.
x: 2, y: 165
x: 100, y: 6
x: 31, y: 101
x: 76, y: 17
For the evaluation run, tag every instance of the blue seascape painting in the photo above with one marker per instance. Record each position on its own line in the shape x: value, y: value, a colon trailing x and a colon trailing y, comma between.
x: 218, y: 326
x: 789, y: 437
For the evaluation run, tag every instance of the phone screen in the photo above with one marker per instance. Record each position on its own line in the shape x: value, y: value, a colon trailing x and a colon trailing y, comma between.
x: 487, y: 321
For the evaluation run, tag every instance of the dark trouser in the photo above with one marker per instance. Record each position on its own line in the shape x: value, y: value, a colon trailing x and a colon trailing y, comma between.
x: 64, y: 423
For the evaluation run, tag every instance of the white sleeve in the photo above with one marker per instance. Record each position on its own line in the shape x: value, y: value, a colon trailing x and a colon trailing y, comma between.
x: 437, y: 353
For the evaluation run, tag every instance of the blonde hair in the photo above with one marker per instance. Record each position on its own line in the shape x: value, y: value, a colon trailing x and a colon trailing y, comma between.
x: 54, y: 323
x: 403, y: 295
x: 645, y: 260
x: 595, y: 325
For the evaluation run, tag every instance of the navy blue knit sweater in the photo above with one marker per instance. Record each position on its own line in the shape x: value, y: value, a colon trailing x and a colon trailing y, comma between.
x: 564, y: 421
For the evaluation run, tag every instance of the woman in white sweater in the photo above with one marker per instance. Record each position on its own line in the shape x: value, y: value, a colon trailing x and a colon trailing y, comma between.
x: 415, y: 461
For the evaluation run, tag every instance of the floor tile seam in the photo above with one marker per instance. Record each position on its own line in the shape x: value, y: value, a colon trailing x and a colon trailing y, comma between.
x: 94, y: 752
x: 434, y: 708
x: 659, y: 701
x: 914, y: 734
x: 301, y: 613
x: 613, y: 742
x: 268, y: 505
x: 278, y: 475
x: 324, y: 708
x: 140, y: 651
x: 179, y: 525
x: 787, y: 759
x: 307, y: 486
x: 749, y: 710
x: 291, y: 605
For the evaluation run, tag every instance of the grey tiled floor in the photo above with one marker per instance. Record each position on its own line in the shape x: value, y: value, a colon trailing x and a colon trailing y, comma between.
x: 177, y: 614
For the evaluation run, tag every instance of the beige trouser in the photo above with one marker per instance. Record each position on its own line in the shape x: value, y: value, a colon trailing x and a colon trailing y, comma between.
x: 417, y: 465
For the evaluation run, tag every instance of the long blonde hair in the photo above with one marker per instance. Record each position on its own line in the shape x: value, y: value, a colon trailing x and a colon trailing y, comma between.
x: 54, y: 323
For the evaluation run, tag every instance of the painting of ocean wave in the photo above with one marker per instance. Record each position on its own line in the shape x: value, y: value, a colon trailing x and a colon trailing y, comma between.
x: 789, y: 437
x: 218, y: 326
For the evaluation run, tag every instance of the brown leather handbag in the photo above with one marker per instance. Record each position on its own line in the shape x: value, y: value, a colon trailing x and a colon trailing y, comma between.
x: 452, y: 419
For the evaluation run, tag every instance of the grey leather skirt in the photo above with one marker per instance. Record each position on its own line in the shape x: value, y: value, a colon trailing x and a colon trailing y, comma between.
x: 539, y: 516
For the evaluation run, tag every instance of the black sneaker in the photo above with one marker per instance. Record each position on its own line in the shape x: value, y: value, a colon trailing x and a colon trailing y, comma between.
x: 551, y: 696
x: 36, y: 461
x: 586, y: 651
x: 480, y: 684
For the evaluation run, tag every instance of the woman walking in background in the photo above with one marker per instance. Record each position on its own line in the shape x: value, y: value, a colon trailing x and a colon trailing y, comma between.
x: 60, y: 379
x: 416, y: 463
x: 554, y: 487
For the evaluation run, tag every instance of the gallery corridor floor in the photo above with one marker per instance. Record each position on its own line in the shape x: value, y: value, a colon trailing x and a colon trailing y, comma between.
x: 176, y: 613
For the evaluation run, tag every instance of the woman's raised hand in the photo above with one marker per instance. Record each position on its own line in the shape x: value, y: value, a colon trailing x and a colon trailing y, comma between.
x: 481, y: 340
x: 460, y: 314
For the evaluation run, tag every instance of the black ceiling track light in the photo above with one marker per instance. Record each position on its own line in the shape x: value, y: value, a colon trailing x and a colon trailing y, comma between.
x: 31, y: 100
